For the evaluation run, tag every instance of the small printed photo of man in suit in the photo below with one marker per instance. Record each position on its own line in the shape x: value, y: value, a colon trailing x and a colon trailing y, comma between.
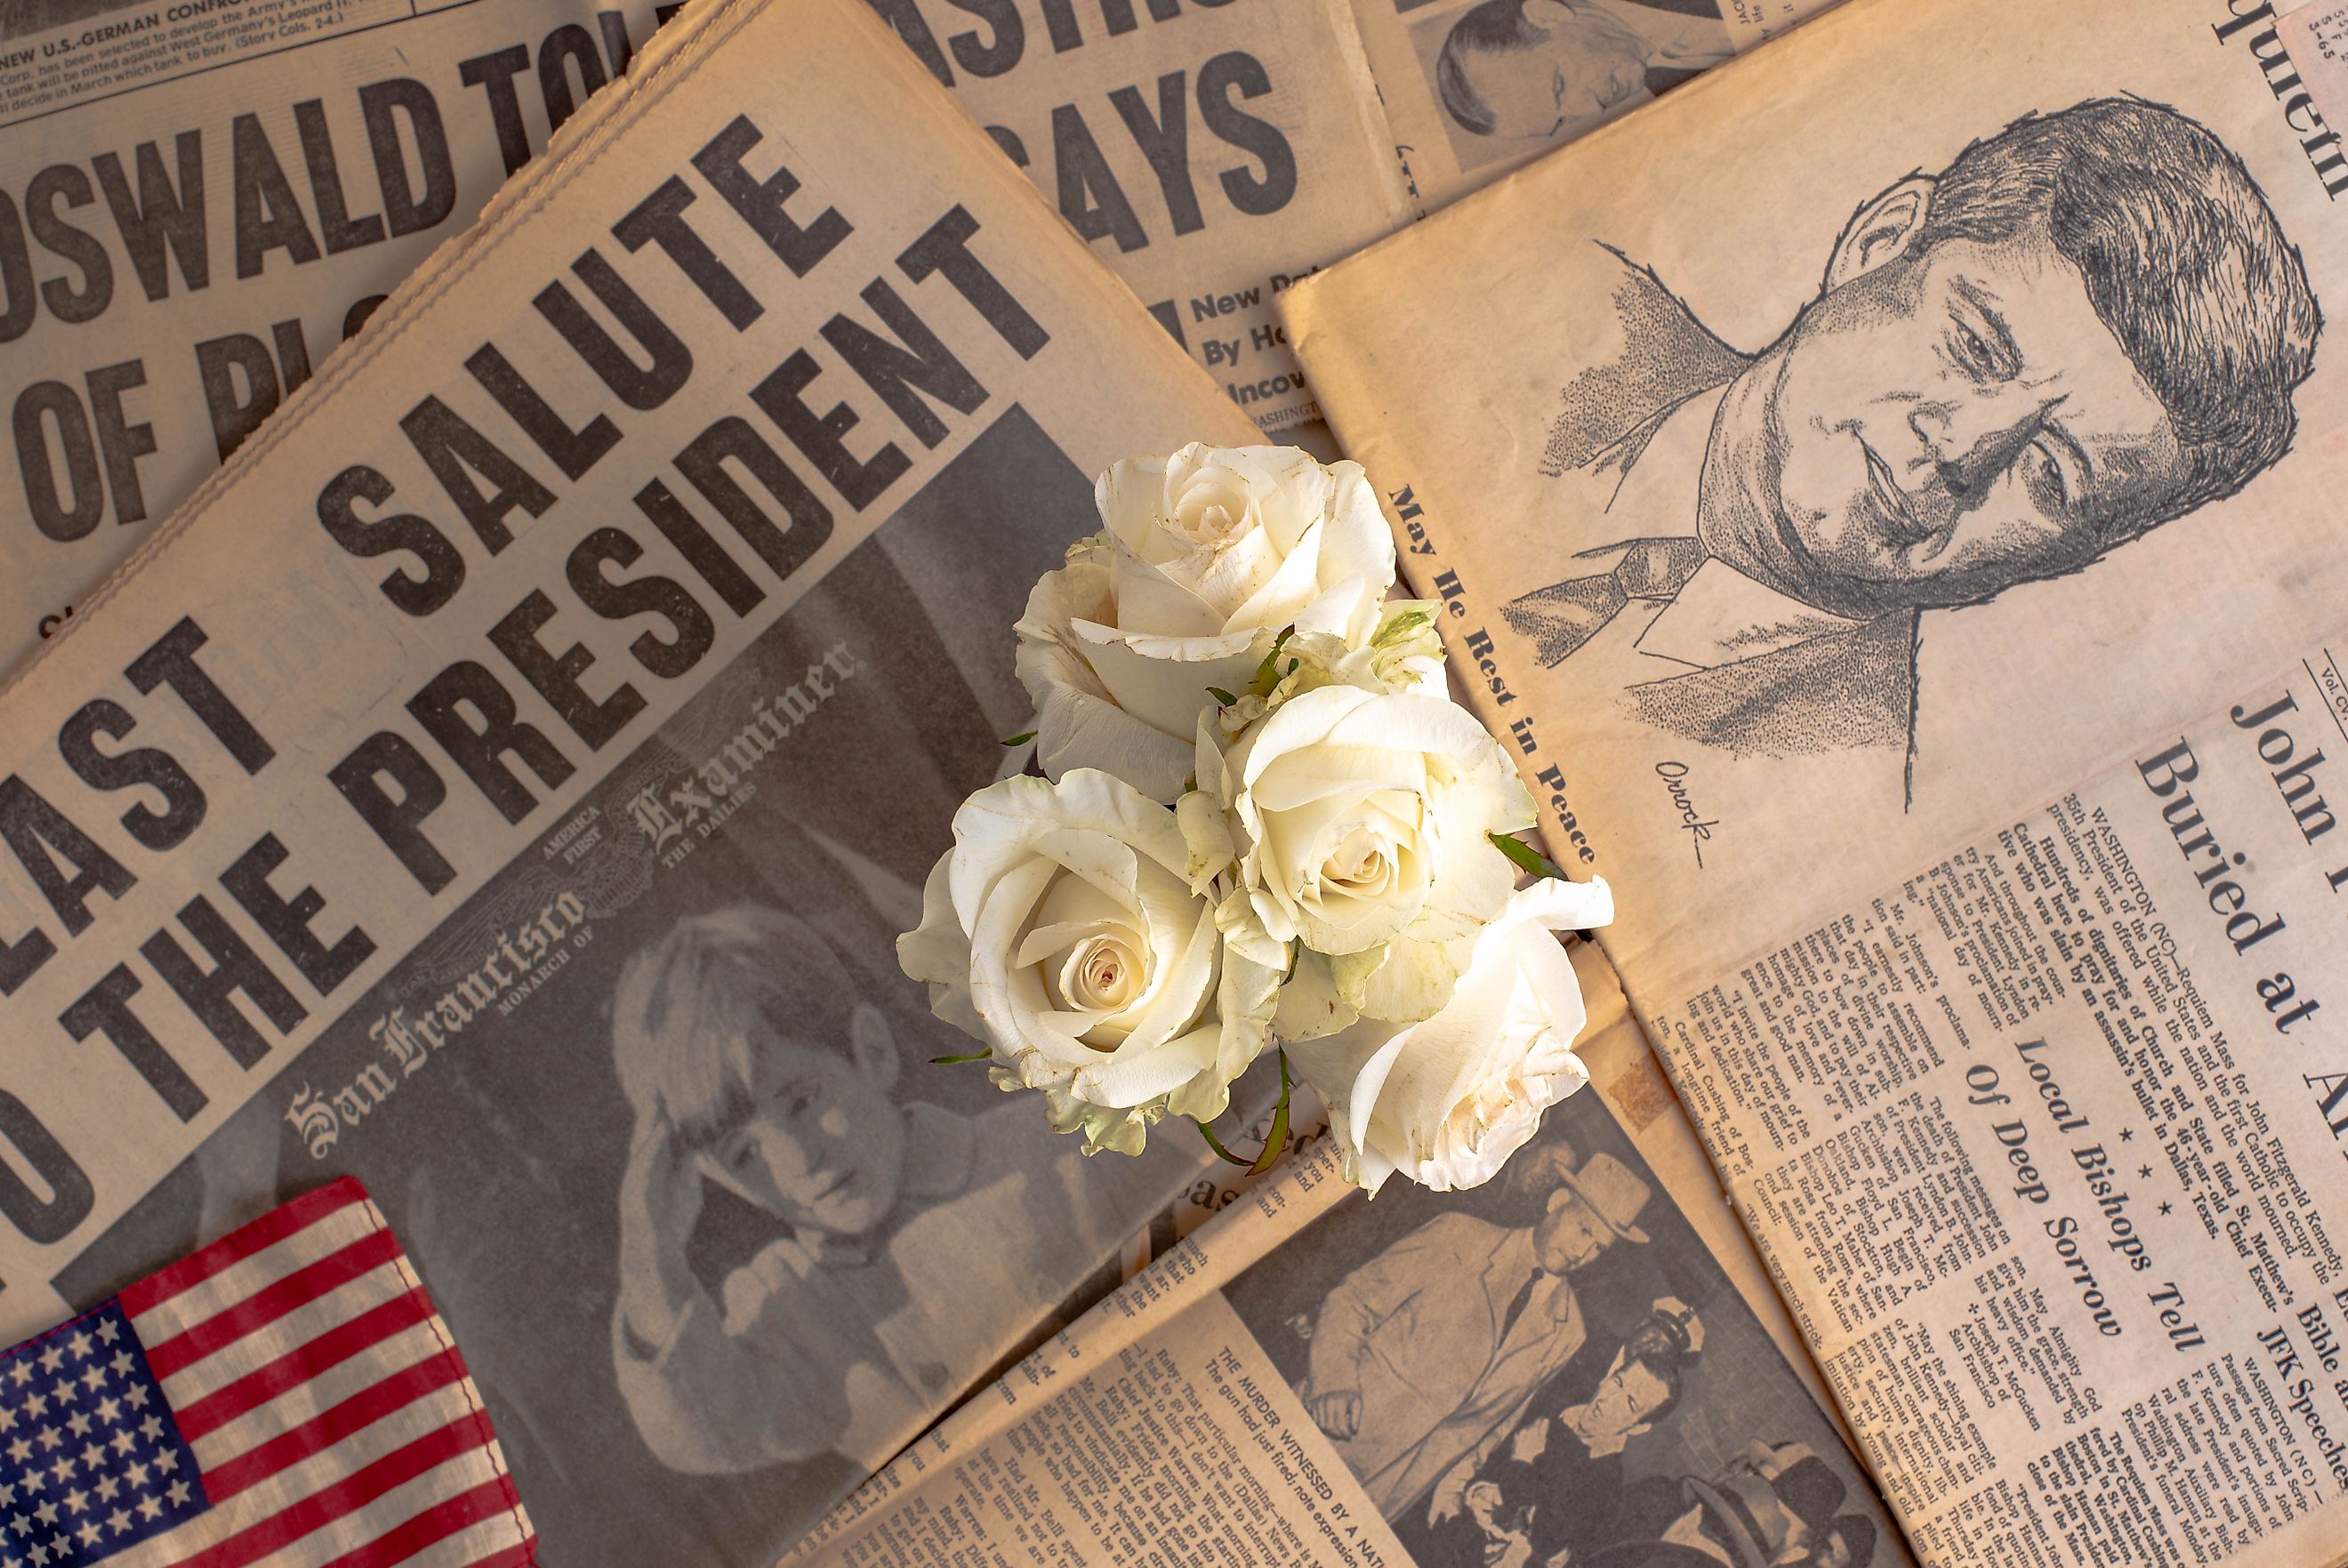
x: 1550, y: 1370
x: 1515, y: 74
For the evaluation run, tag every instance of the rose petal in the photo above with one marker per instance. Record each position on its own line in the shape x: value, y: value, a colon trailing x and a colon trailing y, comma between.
x: 1167, y: 694
x: 1446, y: 1100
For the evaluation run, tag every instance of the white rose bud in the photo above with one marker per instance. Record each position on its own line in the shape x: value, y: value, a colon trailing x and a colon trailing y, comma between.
x: 1062, y: 930
x: 1446, y: 1100
x: 1205, y: 557
x: 1364, y: 816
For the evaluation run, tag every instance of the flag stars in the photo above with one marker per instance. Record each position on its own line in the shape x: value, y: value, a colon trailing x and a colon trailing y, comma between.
x: 137, y: 1395
x: 46, y: 1513
x: 109, y: 1331
x: 78, y: 1424
x: 178, y: 1492
x: 20, y: 1525
x: 88, y: 1533
x: 36, y: 1406
x: 20, y: 1450
x: 40, y: 1554
x: 118, y: 1522
x: 20, y: 1374
x: 150, y: 1508
x: 139, y: 1475
x: 79, y: 1344
x: 63, y: 1471
x: 123, y: 1441
x: 92, y: 1456
x: 167, y: 1462
x: 122, y: 1363
x: 50, y: 1442
x: 108, y: 1488
x: 77, y: 1499
x: 93, y: 1379
x: 109, y: 1410
x: 52, y: 1358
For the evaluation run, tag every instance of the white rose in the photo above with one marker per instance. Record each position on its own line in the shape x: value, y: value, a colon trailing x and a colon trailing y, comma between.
x: 1061, y: 930
x: 1205, y: 557
x: 1361, y: 817
x: 1446, y: 1100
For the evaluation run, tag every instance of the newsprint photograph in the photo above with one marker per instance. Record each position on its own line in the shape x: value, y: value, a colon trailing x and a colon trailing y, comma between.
x: 654, y: 1100
x: 1550, y: 1369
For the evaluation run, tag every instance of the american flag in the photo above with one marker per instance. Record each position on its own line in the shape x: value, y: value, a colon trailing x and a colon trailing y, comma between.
x: 284, y: 1398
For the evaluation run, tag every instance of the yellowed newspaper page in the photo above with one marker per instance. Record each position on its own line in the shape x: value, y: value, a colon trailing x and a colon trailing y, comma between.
x: 1318, y: 1379
x: 1790, y: 550
x: 203, y: 197
x: 1212, y: 152
x: 504, y: 779
x: 2043, y: 1143
x: 1474, y: 89
x: 200, y: 199
x: 1957, y: 438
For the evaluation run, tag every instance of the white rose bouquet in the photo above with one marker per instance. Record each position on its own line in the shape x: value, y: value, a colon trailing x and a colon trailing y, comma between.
x: 1263, y: 824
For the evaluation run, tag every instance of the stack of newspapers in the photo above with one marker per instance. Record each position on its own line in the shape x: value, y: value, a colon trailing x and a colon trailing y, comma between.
x: 512, y: 521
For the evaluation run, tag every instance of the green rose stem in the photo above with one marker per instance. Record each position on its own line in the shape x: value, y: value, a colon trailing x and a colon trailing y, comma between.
x: 1272, y: 1144
x: 973, y: 1056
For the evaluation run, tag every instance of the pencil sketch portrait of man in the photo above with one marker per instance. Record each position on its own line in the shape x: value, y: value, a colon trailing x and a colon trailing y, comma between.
x: 2084, y: 327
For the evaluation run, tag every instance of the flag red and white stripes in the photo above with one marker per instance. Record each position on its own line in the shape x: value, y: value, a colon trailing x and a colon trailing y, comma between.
x: 284, y: 1398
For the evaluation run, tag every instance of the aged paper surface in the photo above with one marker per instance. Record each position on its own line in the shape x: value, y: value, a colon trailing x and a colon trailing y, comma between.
x: 205, y: 197
x: 202, y: 199
x: 1211, y: 153
x: 1812, y: 530
x: 504, y: 779
x: 2043, y: 1143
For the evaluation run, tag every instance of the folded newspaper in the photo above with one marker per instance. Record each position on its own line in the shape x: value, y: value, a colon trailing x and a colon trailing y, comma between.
x: 203, y: 197
x: 1908, y: 561
x: 575, y: 673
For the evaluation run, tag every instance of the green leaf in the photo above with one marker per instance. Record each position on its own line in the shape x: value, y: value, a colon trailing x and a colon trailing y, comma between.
x: 1221, y: 696
x: 1525, y: 857
x: 1216, y: 1144
x: 1295, y: 957
x: 973, y: 1056
x: 1277, y: 1139
x: 1401, y: 627
x: 1267, y: 674
x: 1019, y: 739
